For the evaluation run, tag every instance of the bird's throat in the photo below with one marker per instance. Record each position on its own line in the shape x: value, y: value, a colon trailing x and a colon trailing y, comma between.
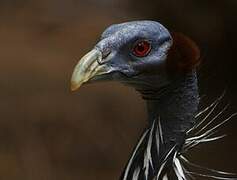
x: 170, y: 114
x: 175, y: 108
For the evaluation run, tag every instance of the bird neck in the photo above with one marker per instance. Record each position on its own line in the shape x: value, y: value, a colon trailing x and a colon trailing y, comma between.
x: 170, y: 114
x: 175, y: 107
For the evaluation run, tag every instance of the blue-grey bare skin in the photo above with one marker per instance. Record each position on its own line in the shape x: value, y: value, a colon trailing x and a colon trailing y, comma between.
x: 117, y: 42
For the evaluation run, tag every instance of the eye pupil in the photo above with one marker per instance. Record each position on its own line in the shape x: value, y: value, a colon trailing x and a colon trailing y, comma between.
x: 141, y: 48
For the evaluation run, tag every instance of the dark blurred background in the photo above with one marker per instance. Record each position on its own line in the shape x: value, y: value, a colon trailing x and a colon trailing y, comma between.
x: 47, y: 132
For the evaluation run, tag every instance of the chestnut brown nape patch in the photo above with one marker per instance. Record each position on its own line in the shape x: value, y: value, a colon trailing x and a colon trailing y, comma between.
x: 183, y: 56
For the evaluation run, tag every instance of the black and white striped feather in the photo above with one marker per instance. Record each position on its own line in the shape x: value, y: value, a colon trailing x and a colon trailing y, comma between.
x: 149, y: 163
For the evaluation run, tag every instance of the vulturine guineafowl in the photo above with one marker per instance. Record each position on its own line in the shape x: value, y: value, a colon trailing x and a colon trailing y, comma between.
x: 161, y: 66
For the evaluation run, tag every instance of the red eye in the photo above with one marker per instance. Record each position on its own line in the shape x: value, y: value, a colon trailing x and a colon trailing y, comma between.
x: 142, y: 48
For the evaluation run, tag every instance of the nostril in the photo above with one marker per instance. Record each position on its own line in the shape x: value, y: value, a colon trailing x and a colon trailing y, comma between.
x: 105, y: 53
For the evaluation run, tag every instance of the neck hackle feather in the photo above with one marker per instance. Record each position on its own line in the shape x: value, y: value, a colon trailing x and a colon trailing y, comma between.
x: 141, y: 165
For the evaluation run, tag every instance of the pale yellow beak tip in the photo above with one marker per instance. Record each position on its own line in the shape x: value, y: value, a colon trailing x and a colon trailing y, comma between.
x: 74, y: 86
x: 87, y: 68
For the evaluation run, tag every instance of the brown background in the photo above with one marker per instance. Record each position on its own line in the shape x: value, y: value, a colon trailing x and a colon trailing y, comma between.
x: 47, y: 132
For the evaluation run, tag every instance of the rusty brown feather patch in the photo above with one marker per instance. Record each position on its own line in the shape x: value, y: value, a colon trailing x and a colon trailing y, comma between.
x: 183, y: 56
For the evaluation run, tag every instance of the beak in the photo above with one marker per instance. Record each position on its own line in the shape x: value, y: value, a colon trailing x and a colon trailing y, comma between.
x: 87, y: 68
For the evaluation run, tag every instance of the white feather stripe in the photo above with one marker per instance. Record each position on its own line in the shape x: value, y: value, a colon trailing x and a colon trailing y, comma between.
x: 178, y: 169
x: 160, y: 170
x: 194, y: 143
x: 134, y: 153
x: 208, y: 139
x: 164, y: 163
x: 147, y: 155
x: 168, y: 154
x: 215, y: 103
x: 212, y: 129
x: 159, y: 137
x: 205, y: 168
x: 213, y: 119
x: 158, y: 141
x: 136, y: 173
x: 165, y: 177
x: 212, y: 176
x: 160, y: 131
x: 211, y: 105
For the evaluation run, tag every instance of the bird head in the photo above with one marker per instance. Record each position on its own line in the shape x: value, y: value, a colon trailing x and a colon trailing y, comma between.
x: 137, y: 53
